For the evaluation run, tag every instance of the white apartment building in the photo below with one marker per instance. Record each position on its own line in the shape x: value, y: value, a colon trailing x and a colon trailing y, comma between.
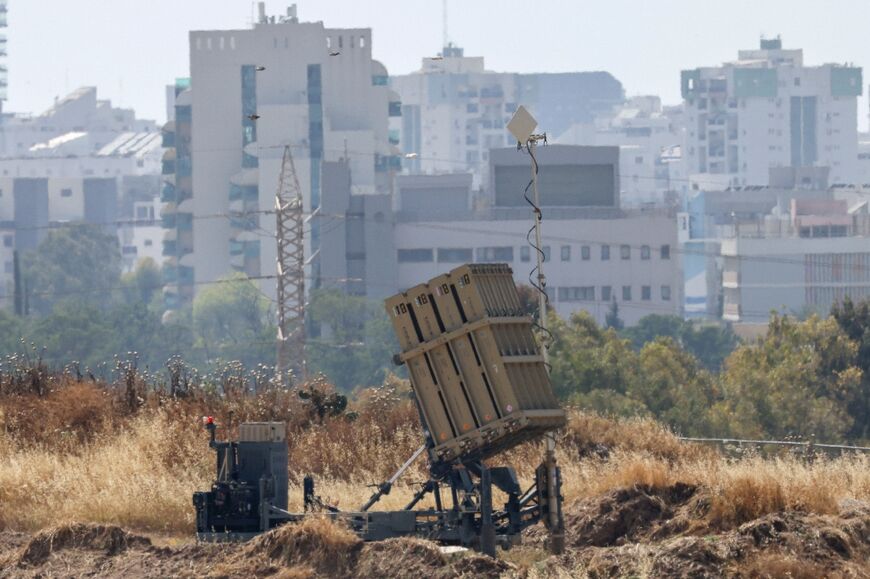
x: 454, y: 110
x: 254, y: 91
x: 767, y: 109
x: 630, y: 258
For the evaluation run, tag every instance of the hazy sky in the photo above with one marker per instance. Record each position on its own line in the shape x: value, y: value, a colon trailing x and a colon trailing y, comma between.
x: 130, y: 49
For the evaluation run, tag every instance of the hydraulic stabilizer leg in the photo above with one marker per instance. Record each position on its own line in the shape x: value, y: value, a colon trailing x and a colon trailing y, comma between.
x: 549, y: 482
x: 487, y: 527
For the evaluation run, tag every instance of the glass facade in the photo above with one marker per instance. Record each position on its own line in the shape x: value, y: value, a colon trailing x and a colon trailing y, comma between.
x: 249, y: 108
x: 315, y: 140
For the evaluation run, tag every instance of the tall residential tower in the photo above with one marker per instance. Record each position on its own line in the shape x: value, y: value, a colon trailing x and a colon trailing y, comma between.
x: 253, y: 92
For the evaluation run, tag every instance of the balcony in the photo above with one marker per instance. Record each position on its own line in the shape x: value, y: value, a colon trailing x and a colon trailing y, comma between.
x: 168, y: 194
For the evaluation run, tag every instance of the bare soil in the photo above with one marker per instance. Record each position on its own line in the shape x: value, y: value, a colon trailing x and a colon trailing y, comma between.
x: 636, y: 532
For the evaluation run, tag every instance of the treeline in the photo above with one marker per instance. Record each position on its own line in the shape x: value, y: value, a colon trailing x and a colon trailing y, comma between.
x: 807, y: 379
x: 83, y: 312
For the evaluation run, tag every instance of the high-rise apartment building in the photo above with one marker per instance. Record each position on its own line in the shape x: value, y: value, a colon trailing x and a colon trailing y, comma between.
x: 454, y: 111
x: 767, y: 109
x: 254, y: 91
x: 4, y: 71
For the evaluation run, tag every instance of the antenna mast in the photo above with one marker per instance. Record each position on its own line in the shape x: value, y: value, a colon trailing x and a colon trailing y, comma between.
x: 291, y: 272
x: 522, y: 126
x: 444, y: 29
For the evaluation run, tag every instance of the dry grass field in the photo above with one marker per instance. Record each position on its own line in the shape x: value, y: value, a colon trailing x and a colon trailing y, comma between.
x: 99, y: 479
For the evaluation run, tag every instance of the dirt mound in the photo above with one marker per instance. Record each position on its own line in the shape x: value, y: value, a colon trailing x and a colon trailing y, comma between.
x: 412, y: 556
x: 632, y: 514
x: 316, y: 544
x: 111, y: 540
x: 785, y: 544
x: 322, y: 548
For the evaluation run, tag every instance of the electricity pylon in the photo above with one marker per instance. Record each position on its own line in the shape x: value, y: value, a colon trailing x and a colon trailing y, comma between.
x: 291, y: 271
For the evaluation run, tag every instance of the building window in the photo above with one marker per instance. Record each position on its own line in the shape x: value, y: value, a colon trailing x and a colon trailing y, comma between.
x: 585, y: 253
x: 66, y: 192
x: 645, y: 293
x: 525, y: 253
x: 666, y: 293
x: 576, y: 294
x: 644, y: 252
x: 606, y: 293
x: 493, y: 254
x: 8, y: 267
x: 565, y: 253
x: 666, y: 252
x: 625, y: 251
x: 415, y: 255
x: 148, y: 243
x: 546, y: 253
x: 626, y: 293
x: 454, y: 255
x: 8, y: 240
x: 605, y: 252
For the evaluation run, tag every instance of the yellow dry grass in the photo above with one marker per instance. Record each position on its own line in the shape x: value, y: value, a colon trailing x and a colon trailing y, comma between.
x: 141, y: 475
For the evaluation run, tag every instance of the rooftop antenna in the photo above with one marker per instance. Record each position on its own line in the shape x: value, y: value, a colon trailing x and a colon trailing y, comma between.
x: 522, y: 126
x: 444, y: 29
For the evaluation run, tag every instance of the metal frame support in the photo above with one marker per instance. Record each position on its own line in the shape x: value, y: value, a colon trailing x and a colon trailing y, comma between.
x: 291, y: 271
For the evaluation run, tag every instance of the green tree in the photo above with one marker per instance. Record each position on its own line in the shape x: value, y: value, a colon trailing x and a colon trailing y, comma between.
x: 142, y: 284
x: 79, y: 263
x: 710, y: 343
x: 592, y: 367
x: 799, y: 380
x: 854, y: 319
x: 74, y: 332
x: 674, y: 387
x: 612, y: 319
x: 11, y: 332
x: 356, y: 342
x: 231, y: 321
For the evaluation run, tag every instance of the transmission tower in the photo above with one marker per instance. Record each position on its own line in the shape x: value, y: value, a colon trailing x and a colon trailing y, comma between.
x: 291, y: 272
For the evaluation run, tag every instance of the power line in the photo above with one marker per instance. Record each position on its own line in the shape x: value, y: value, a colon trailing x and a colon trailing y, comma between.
x: 455, y: 161
x: 447, y: 227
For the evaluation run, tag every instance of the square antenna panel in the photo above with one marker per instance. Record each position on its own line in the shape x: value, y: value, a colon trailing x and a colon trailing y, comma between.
x: 522, y: 125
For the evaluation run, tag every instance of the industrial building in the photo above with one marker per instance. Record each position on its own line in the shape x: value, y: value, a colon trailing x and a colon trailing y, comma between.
x: 596, y: 252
